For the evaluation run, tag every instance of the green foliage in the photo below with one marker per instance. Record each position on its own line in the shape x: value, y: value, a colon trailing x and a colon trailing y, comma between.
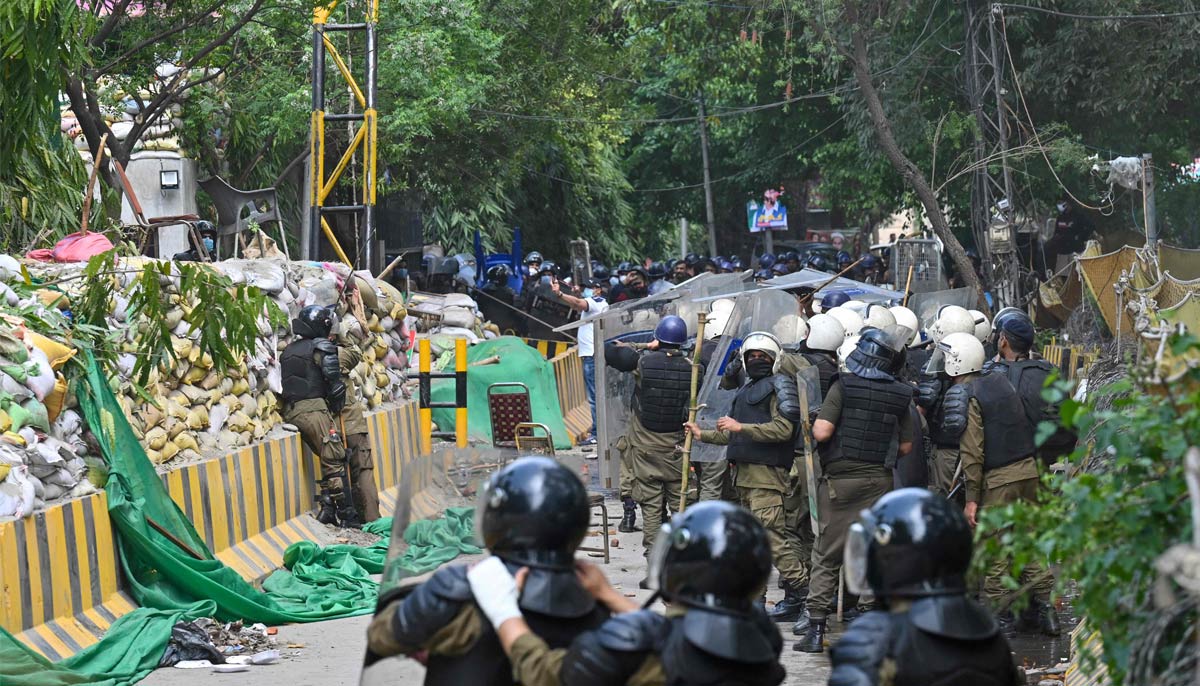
x: 1124, y: 506
x: 223, y: 318
x: 37, y: 39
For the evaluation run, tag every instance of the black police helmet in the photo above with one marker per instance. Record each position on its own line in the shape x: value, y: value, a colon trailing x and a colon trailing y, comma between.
x: 498, y: 273
x: 657, y: 270
x: 911, y: 543
x: 534, y: 257
x: 876, y: 355
x: 600, y: 272
x: 713, y: 555
x: 533, y: 512
x: 314, y: 322
x: 206, y: 228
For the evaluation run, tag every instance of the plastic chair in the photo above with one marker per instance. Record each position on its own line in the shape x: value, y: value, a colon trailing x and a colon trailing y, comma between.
x: 237, y: 209
x: 507, y: 410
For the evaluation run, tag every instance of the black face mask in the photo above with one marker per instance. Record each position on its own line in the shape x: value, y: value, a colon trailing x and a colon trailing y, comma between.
x: 758, y: 369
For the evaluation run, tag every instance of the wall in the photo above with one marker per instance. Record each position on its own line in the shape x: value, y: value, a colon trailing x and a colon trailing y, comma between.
x: 156, y: 202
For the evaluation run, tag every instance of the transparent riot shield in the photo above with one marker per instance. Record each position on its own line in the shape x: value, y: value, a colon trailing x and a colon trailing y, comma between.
x: 771, y: 310
x: 926, y: 305
x: 633, y: 322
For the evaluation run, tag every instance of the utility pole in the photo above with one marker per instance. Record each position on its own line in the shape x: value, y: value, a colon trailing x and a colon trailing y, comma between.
x: 708, y: 196
x: 1148, y: 207
x: 683, y: 236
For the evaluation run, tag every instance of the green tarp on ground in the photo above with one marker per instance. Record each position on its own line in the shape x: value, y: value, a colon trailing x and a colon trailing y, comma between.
x: 519, y: 362
x: 172, y: 584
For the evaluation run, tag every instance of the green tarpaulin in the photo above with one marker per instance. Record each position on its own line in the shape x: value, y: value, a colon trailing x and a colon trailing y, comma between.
x: 171, y: 583
x: 518, y: 362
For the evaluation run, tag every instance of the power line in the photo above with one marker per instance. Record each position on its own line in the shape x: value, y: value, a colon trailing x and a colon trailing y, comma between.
x: 1099, y: 17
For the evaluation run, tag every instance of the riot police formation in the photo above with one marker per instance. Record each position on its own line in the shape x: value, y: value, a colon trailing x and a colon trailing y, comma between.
x: 532, y: 514
x: 863, y: 425
x: 709, y: 566
x: 498, y: 303
x: 761, y: 437
x: 313, y: 393
x: 651, y: 462
x: 997, y: 452
x: 912, y: 550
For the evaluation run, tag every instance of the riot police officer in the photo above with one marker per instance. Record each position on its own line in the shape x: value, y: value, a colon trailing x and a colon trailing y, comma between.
x: 711, y: 564
x: 1013, y: 341
x: 998, y: 464
x: 863, y: 425
x: 532, y: 514
x: 355, y: 431
x: 207, y: 250
x: 313, y: 393
x: 761, y: 437
x: 943, y: 411
x: 819, y: 347
x: 652, y: 466
x: 499, y: 302
x: 658, y: 279
x: 912, y: 550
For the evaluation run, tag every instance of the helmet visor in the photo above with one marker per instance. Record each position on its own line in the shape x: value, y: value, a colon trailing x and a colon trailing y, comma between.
x: 855, y: 559
x: 658, y: 556
x: 937, y: 363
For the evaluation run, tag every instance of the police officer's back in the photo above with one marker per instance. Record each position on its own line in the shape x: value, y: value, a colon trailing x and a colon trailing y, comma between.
x: 912, y: 549
x: 533, y: 514
x: 498, y: 301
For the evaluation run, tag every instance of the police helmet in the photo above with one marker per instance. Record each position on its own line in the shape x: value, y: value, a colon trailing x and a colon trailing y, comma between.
x: 624, y: 268
x: 869, y: 261
x: 736, y: 263
x: 762, y: 275
x: 875, y: 355
x: 657, y: 270
x: 498, y: 274
x: 600, y: 272
x: 851, y: 321
x: 957, y: 354
x: 206, y: 228
x: 908, y: 319
x: 761, y: 341
x: 951, y: 319
x: 983, y: 328
x: 878, y: 316
x: 548, y: 267
x: 726, y: 266
x: 691, y: 258
x: 718, y: 317
x: 817, y: 262
x: 845, y: 349
x: 313, y: 321
x: 533, y: 512
x: 765, y: 260
x: 834, y: 299
x: 671, y: 330
x: 911, y: 543
x: 843, y: 258
x: 533, y: 257
x: 713, y: 555
x: 779, y: 269
x: 824, y: 333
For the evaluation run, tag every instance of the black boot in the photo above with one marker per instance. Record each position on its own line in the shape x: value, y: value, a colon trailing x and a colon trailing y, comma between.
x: 1048, y: 619
x: 1008, y: 624
x: 348, y: 518
x: 628, y: 523
x: 801, y: 626
x: 792, y: 605
x: 327, y: 511
x: 814, y: 640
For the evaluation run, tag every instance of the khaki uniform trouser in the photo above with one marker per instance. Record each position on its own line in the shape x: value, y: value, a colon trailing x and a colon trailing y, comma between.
x: 362, y: 477
x: 314, y: 426
x: 767, y: 506
x: 993, y: 582
x: 839, y: 502
x: 941, y: 476
x: 797, y: 522
x: 656, y: 482
x: 715, y: 481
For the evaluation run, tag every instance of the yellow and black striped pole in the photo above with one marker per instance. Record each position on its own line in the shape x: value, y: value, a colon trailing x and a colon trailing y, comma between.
x: 426, y: 411
x: 425, y: 378
x: 460, y: 392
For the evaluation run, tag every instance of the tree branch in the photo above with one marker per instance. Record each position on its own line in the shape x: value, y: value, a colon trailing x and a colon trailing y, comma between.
x: 110, y: 24
x: 158, y: 37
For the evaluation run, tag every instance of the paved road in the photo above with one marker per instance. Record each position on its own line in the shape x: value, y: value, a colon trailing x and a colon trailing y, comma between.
x: 332, y: 651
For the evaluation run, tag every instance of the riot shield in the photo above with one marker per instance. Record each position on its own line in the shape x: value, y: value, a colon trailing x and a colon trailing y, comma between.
x: 808, y: 385
x: 771, y: 310
x: 926, y: 305
x: 633, y: 322
x: 581, y: 261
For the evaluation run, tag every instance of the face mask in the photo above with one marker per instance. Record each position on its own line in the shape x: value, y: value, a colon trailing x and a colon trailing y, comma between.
x: 623, y: 278
x: 587, y: 292
x: 209, y: 244
x: 614, y: 280
x: 1062, y: 207
x: 758, y: 369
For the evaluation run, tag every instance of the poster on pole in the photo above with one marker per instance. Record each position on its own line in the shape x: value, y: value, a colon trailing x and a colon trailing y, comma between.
x: 771, y: 215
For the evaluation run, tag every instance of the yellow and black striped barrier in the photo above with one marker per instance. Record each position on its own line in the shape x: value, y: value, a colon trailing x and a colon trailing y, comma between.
x: 548, y: 349
x: 1073, y: 360
x: 425, y: 378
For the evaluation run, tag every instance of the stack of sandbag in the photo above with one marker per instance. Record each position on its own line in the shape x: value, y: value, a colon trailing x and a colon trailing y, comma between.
x: 454, y: 315
x: 191, y: 409
x: 41, y: 440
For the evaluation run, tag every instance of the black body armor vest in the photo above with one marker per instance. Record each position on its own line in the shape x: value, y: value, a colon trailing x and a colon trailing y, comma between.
x: 301, y: 375
x: 752, y: 405
x: 1007, y: 435
x: 661, y: 401
x: 826, y: 366
x: 872, y: 409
